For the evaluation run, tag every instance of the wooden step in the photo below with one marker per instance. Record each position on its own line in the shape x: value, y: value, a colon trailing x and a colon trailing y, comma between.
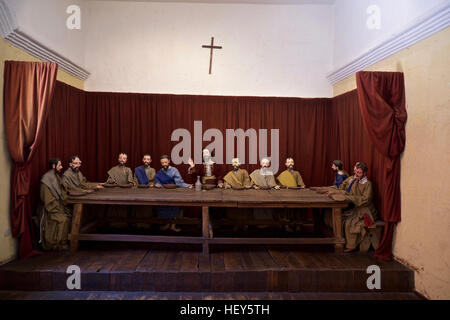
x: 182, y: 268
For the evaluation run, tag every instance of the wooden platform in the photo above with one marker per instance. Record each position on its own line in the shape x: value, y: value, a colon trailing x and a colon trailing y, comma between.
x: 182, y: 268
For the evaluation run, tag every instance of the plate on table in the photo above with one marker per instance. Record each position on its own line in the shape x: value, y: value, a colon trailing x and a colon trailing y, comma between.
x: 77, y: 193
x: 125, y: 185
x: 338, y: 197
x: 143, y: 186
x: 208, y: 186
x: 238, y: 188
x: 170, y: 186
x: 110, y: 185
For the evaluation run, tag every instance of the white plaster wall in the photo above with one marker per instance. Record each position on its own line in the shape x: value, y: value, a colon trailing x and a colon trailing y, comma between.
x: 268, y: 50
x: 353, y: 38
x: 45, y: 21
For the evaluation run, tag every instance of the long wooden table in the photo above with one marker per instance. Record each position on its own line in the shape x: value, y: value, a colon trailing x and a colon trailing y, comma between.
x: 287, y: 198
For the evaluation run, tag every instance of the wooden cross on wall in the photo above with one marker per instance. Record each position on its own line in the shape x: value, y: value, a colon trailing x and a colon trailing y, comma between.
x: 212, y: 47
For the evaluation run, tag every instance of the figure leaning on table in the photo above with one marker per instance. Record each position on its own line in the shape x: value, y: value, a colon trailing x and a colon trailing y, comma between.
x: 169, y: 175
x: 73, y: 179
x: 56, y: 219
x: 361, y: 213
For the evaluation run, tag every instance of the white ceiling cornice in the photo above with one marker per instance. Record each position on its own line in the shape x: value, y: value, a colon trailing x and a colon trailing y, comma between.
x: 430, y: 23
x: 13, y: 35
x: 273, y: 2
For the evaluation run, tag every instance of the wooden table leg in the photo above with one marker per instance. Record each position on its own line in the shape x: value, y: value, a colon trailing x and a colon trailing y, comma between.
x: 101, y: 215
x: 76, y: 224
x: 205, y: 229
x: 337, y: 229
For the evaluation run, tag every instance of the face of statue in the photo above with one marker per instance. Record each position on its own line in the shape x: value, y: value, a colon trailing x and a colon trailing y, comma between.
x: 146, y: 160
x: 289, y: 164
x: 359, y: 173
x: 75, y: 164
x: 122, y: 159
x: 236, y: 164
x: 58, y: 167
x: 354, y: 170
x: 265, y: 163
x: 334, y: 168
x: 165, y: 163
x: 206, y: 154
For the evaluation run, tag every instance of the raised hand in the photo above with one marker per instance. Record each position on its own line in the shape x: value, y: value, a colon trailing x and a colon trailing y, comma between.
x: 191, y: 163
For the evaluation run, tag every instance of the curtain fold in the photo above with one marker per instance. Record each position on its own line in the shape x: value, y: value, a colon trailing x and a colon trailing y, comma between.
x: 28, y: 91
x: 383, y: 109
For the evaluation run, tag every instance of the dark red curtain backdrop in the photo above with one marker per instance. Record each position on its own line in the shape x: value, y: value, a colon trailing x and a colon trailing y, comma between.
x: 98, y: 126
x: 28, y: 92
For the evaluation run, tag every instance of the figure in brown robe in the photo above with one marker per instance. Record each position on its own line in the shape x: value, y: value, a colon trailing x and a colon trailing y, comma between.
x: 263, y: 179
x: 73, y: 179
x: 362, y: 213
x: 56, y: 219
x: 122, y: 175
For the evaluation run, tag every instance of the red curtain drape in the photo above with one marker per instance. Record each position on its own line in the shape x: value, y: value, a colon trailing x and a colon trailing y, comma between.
x: 383, y: 109
x: 28, y: 91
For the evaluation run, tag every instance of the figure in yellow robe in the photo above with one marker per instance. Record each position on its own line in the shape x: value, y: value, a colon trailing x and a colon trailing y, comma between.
x: 291, y: 178
x: 238, y: 178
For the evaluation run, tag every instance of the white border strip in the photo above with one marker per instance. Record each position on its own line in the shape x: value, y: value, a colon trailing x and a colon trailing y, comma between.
x: 12, y: 34
x: 432, y: 22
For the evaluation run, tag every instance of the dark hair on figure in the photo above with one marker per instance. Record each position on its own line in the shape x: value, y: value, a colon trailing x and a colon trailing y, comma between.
x: 53, y: 162
x: 164, y: 157
x: 338, y: 164
x: 73, y: 158
x: 361, y: 165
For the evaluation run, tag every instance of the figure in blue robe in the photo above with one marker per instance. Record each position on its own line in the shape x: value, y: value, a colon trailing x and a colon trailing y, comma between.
x: 340, y: 177
x: 170, y: 175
